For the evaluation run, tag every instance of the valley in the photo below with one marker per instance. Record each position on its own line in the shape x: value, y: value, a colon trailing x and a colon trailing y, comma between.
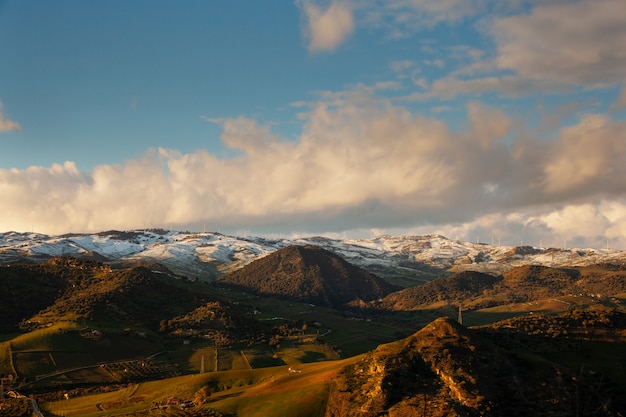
x: 119, y: 325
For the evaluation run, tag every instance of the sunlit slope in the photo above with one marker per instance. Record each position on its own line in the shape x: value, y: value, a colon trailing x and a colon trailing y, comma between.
x: 277, y: 391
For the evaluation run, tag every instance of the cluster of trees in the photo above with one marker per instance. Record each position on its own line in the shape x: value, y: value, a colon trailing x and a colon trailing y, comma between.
x: 15, y: 407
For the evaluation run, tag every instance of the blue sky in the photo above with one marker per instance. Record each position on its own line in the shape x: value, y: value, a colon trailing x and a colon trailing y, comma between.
x: 471, y: 118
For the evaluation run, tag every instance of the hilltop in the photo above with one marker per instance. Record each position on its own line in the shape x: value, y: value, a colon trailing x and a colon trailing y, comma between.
x: 446, y: 369
x: 91, y: 295
x: 309, y: 274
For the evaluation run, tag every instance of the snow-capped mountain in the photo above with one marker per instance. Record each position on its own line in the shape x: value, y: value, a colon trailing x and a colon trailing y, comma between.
x: 407, y: 259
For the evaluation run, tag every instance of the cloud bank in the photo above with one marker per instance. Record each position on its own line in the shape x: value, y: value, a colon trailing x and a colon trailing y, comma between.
x: 360, y: 163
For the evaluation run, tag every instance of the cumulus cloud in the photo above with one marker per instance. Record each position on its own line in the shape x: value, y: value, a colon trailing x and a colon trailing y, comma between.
x: 588, y: 157
x: 593, y: 225
x: 7, y: 125
x: 326, y: 28
x: 360, y: 162
x: 569, y: 42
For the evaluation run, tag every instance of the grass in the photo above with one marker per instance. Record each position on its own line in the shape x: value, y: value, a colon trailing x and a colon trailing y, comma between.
x: 307, y: 353
x: 6, y: 359
x: 349, y: 336
x: 231, y: 359
x: 302, y: 401
x: 600, y: 357
x: 33, y: 364
x: 60, y: 347
x: 195, y: 360
x: 548, y: 306
x: 282, y: 393
x: 266, y: 392
x: 55, y: 337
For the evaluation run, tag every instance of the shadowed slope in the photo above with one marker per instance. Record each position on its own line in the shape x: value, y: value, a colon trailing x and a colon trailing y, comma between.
x: 310, y: 274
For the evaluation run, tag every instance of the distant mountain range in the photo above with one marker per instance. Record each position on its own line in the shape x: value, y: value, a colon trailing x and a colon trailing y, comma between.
x: 402, y: 260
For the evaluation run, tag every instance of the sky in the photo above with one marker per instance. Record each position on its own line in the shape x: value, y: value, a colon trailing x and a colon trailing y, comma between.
x: 481, y: 120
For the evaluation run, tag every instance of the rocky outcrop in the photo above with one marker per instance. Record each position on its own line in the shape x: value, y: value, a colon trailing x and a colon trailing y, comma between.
x: 448, y: 370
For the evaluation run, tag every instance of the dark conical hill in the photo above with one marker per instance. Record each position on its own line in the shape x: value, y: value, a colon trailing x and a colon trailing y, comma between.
x: 309, y: 274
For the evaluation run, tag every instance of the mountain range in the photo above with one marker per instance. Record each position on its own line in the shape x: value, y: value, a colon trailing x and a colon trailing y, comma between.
x: 401, y: 260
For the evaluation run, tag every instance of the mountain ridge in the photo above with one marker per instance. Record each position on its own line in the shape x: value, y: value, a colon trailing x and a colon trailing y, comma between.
x: 404, y: 260
x: 445, y: 369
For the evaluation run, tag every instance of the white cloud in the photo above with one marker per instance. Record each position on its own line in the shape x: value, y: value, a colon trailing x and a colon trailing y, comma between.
x: 7, y: 125
x: 578, y: 42
x: 587, y: 157
x: 360, y: 162
x: 326, y: 29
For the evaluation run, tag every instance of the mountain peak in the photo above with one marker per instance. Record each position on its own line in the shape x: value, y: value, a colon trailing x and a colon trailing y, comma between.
x: 311, y: 274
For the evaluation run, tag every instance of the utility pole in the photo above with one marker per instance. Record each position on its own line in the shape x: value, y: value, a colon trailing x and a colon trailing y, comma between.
x: 460, y: 320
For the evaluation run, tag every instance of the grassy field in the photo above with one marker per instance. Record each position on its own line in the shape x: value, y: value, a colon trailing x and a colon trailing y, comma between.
x: 263, y: 392
x: 349, y: 335
x: 549, y: 306
x: 56, y: 337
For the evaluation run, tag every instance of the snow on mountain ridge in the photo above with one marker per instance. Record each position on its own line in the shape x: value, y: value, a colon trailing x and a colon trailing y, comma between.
x: 210, y: 254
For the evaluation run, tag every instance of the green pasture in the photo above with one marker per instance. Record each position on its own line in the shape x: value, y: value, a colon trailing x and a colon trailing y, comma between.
x: 61, y: 348
x: 350, y: 335
x: 305, y: 353
x: 60, y: 336
x: 302, y: 401
x: 548, y: 306
x: 266, y: 392
x: 291, y: 351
